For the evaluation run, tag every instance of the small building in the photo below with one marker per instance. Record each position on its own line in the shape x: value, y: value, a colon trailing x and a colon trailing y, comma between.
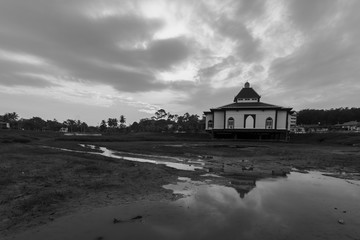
x: 293, y: 121
x: 64, y: 129
x: 315, y: 128
x: 248, y: 117
x: 351, y: 126
x: 4, y: 125
x: 298, y: 130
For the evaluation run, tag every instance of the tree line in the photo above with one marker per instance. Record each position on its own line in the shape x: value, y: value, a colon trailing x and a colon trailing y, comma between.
x: 72, y: 125
x: 113, y: 125
x: 162, y: 121
x: 328, y: 117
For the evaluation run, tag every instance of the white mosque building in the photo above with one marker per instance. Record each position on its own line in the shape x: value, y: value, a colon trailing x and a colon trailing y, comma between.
x: 248, y: 117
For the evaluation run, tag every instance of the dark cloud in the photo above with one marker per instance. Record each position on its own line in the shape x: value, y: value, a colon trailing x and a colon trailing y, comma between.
x: 162, y: 54
x: 18, y: 80
x: 73, y: 42
x: 77, y: 42
x: 326, y: 64
x: 250, y: 9
x: 209, y: 72
x: 234, y: 27
x: 204, y: 97
x: 258, y: 68
x: 329, y: 57
x: 308, y: 14
x: 182, y: 85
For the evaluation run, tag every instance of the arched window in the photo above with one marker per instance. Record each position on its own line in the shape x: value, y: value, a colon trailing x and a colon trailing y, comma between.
x: 210, y: 124
x: 231, y: 123
x: 269, y: 123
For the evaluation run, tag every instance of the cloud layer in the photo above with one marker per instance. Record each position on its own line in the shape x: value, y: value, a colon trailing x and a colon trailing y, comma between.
x: 184, y: 56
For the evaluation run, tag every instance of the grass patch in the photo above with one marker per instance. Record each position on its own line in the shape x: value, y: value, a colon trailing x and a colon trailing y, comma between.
x: 43, y: 200
x: 143, y: 136
x: 345, y: 138
x: 15, y: 140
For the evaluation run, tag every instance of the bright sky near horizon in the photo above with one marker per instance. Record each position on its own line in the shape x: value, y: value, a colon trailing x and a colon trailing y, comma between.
x: 95, y: 59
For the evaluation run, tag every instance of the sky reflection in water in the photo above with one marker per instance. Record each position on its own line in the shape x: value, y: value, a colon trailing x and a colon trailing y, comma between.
x: 301, y: 206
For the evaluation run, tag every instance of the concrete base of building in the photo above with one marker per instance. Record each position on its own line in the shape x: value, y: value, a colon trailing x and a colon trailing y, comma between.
x: 253, y: 134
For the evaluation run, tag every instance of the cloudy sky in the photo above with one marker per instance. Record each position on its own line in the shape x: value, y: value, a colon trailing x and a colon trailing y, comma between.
x: 91, y: 60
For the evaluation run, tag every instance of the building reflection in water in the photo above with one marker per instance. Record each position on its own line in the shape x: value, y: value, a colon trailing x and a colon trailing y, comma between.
x: 243, y: 186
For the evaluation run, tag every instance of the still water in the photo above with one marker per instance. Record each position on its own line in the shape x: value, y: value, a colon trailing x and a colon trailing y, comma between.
x: 172, y: 162
x: 300, y: 206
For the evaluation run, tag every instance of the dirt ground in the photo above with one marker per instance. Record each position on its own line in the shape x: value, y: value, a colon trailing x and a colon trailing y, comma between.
x: 39, y: 184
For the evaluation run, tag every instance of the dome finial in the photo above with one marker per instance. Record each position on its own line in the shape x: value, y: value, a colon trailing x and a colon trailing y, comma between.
x: 247, y: 85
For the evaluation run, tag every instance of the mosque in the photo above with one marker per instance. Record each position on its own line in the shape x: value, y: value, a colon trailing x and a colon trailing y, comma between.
x: 248, y: 117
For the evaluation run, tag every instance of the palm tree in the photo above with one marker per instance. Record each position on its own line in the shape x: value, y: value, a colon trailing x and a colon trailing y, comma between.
x: 122, y: 121
x: 10, y: 118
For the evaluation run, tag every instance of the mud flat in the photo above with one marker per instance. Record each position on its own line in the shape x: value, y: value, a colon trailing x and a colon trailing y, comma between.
x: 301, y: 206
x: 42, y: 184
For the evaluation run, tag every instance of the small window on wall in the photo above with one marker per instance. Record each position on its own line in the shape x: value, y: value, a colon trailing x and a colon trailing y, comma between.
x: 210, y: 124
x: 231, y: 123
x: 268, y: 123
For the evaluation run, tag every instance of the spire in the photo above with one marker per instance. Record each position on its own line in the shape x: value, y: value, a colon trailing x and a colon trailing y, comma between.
x: 247, y: 85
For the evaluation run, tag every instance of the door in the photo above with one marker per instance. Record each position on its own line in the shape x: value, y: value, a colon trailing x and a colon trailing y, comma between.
x: 249, y: 121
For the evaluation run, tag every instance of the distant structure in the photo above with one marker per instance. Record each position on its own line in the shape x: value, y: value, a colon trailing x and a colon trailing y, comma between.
x: 64, y: 129
x: 293, y: 121
x: 248, y: 117
x: 4, y: 125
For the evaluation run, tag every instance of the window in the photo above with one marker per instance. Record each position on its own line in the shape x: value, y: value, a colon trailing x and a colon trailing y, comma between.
x: 210, y: 124
x: 268, y: 123
x: 231, y: 123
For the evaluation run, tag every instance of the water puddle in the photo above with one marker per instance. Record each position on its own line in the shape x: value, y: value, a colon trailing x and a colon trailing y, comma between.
x: 300, y: 206
x: 173, y: 162
x: 214, y: 145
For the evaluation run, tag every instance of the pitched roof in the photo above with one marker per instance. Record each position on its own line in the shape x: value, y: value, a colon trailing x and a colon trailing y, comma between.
x: 351, y: 123
x: 250, y: 105
x: 247, y: 93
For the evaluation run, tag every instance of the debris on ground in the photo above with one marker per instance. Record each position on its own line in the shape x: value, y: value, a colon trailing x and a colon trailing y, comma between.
x: 137, y: 217
x: 115, y: 220
x: 341, y: 221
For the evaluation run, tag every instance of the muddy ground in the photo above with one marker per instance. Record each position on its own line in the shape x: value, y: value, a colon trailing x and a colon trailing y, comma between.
x: 39, y: 184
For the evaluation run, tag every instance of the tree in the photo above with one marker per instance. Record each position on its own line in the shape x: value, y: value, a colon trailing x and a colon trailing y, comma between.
x: 160, y: 114
x: 34, y: 123
x: 103, y: 126
x: 122, y: 121
x: 53, y: 125
x: 112, y: 122
x: 83, y: 126
x: 134, y: 127
x: 146, y: 125
x: 11, y: 118
x: 328, y: 117
x: 193, y: 123
x: 70, y: 124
